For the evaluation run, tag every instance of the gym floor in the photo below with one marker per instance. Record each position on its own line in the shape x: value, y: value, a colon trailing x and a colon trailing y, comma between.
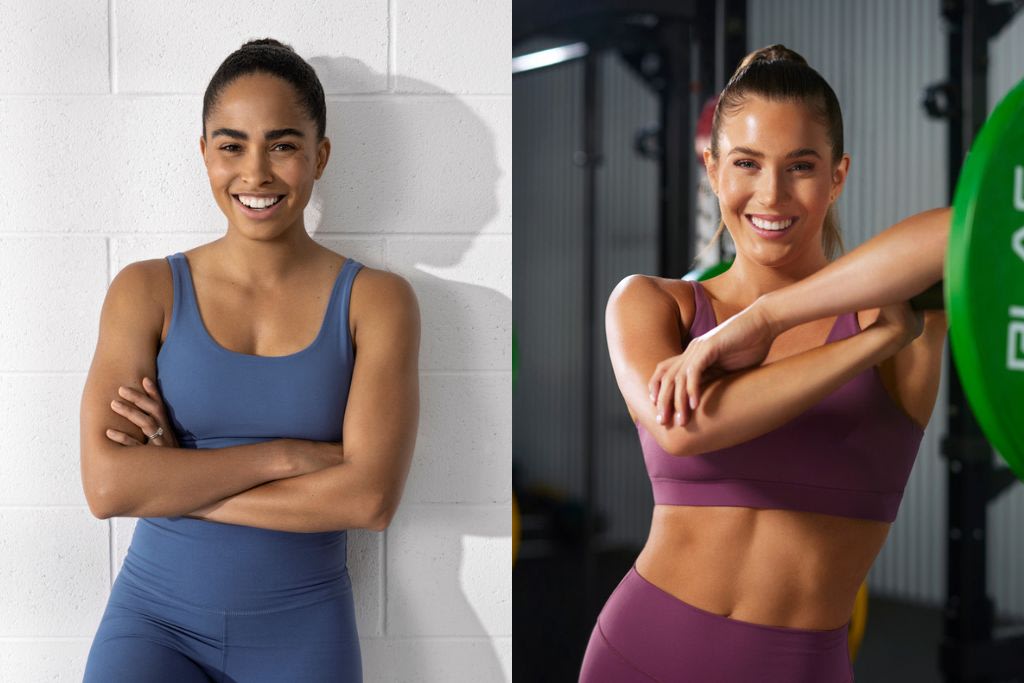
x: 552, y: 629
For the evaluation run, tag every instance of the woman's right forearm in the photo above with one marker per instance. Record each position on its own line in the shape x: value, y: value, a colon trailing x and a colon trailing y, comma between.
x: 894, y: 265
x: 158, y: 481
x: 746, y: 404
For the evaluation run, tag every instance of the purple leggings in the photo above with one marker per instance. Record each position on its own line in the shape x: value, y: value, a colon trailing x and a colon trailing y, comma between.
x: 646, y: 634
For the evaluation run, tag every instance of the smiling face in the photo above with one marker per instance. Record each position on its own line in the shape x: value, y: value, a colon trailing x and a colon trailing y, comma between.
x: 261, y: 148
x: 775, y: 179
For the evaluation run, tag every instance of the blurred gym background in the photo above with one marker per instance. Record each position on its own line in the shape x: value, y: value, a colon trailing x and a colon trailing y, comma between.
x: 610, y: 99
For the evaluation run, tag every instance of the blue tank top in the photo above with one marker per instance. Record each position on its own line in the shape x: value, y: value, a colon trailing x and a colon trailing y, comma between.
x: 217, y: 398
x: 849, y: 455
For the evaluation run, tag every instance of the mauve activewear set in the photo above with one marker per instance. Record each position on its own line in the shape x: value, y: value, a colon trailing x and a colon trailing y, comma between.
x: 850, y: 455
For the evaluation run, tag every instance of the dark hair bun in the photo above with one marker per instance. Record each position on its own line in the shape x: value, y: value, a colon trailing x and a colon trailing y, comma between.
x: 266, y: 41
x: 772, y: 53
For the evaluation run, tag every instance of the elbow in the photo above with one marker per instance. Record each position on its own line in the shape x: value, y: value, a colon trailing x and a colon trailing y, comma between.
x: 677, y: 440
x: 100, y: 495
x: 383, y: 511
x: 100, y: 504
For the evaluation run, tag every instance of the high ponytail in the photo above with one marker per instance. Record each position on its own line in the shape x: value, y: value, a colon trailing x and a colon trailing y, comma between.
x: 777, y: 73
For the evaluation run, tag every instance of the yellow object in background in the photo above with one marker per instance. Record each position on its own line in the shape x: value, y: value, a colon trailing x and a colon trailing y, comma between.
x: 859, y: 620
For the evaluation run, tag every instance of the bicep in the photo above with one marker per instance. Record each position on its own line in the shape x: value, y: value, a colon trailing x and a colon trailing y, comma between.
x: 129, y: 334
x: 644, y: 327
x: 382, y: 413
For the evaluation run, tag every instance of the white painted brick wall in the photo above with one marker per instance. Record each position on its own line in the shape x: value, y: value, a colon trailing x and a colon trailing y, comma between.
x: 100, y: 167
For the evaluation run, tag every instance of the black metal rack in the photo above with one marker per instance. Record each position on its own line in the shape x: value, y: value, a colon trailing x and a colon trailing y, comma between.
x: 969, y: 650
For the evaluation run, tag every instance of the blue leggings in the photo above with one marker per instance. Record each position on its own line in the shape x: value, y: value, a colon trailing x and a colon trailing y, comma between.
x: 179, y: 620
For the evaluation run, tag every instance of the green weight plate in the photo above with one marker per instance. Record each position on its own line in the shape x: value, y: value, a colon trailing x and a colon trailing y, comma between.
x: 708, y: 272
x: 984, y: 279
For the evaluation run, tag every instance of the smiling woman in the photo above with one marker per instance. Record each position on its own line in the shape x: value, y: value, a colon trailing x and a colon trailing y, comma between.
x: 262, y: 439
x: 773, y: 496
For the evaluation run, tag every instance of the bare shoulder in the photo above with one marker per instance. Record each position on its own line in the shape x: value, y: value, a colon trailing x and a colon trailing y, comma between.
x: 645, y: 295
x: 644, y: 324
x: 383, y: 301
x: 143, y: 284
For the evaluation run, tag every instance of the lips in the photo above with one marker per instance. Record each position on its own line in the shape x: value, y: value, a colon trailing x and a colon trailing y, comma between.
x: 258, y: 213
x: 776, y: 220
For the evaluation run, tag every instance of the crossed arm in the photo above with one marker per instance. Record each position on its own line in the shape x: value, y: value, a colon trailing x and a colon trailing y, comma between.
x: 255, y: 484
x: 893, y: 266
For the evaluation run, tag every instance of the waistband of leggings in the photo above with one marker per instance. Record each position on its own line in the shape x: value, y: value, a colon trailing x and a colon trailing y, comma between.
x: 266, y: 603
x: 818, y: 634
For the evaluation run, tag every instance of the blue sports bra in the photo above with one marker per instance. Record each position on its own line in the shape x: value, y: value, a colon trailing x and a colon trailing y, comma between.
x: 849, y: 455
x: 216, y: 397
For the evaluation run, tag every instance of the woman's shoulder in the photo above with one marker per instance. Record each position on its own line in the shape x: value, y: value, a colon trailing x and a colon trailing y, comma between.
x: 653, y: 295
x: 385, y: 298
x: 147, y: 286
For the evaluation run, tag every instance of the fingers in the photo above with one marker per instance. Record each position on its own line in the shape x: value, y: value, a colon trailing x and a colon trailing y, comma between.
x: 680, y: 414
x: 661, y: 414
x: 122, y: 438
x: 149, y: 401
x: 654, y: 384
x: 693, y: 385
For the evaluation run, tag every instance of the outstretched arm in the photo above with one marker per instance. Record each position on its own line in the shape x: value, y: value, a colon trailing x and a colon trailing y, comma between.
x: 893, y: 266
x: 890, y: 268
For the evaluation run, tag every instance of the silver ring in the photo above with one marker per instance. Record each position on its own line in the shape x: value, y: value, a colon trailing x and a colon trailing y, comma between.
x: 158, y: 432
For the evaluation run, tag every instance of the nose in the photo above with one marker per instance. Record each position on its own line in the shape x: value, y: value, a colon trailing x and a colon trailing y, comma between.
x: 256, y: 170
x: 773, y: 188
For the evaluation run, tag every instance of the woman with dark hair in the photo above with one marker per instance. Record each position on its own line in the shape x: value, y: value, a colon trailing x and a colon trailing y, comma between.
x: 775, y: 492
x: 266, y: 400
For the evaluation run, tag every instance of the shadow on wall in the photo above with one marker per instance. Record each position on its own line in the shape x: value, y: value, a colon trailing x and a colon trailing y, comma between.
x: 374, y: 182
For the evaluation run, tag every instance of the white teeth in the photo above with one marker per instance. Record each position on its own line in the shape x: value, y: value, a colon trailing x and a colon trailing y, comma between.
x: 258, y: 202
x: 771, y: 225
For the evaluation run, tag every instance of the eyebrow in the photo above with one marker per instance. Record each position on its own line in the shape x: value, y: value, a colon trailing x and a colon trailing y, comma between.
x: 269, y: 135
x: 802, y: 152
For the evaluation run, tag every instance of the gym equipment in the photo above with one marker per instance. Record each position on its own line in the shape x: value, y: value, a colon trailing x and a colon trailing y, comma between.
x: 515, y: 530
x: 983, y: 285
x: 708, y: 272
x: 859, y: 620
x: 985, y: 278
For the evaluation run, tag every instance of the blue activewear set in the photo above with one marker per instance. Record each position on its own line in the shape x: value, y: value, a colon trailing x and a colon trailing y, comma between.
x: 198, y: 600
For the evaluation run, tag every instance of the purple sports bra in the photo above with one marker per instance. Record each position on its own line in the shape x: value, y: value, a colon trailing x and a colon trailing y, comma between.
x: 849, y: 455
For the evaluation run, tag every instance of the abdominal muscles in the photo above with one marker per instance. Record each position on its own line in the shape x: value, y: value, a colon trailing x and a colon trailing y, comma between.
x: 773, y: 567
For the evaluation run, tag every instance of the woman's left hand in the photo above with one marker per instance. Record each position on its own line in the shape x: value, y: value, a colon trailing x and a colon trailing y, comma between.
x: 144, y: 410
x: 741, y: 341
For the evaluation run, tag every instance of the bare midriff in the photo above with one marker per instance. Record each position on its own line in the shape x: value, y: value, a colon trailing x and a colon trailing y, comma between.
x: 771, y: 567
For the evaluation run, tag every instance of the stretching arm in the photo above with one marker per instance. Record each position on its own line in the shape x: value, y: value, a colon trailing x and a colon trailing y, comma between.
x: 895, y: 265
x: 643, y: 325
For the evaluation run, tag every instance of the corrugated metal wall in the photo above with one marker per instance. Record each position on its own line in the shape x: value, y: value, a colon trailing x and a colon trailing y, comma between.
x: 627, y: 233
x: 879, y: 55
x: 550, y: 292
x: 548, y: 252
